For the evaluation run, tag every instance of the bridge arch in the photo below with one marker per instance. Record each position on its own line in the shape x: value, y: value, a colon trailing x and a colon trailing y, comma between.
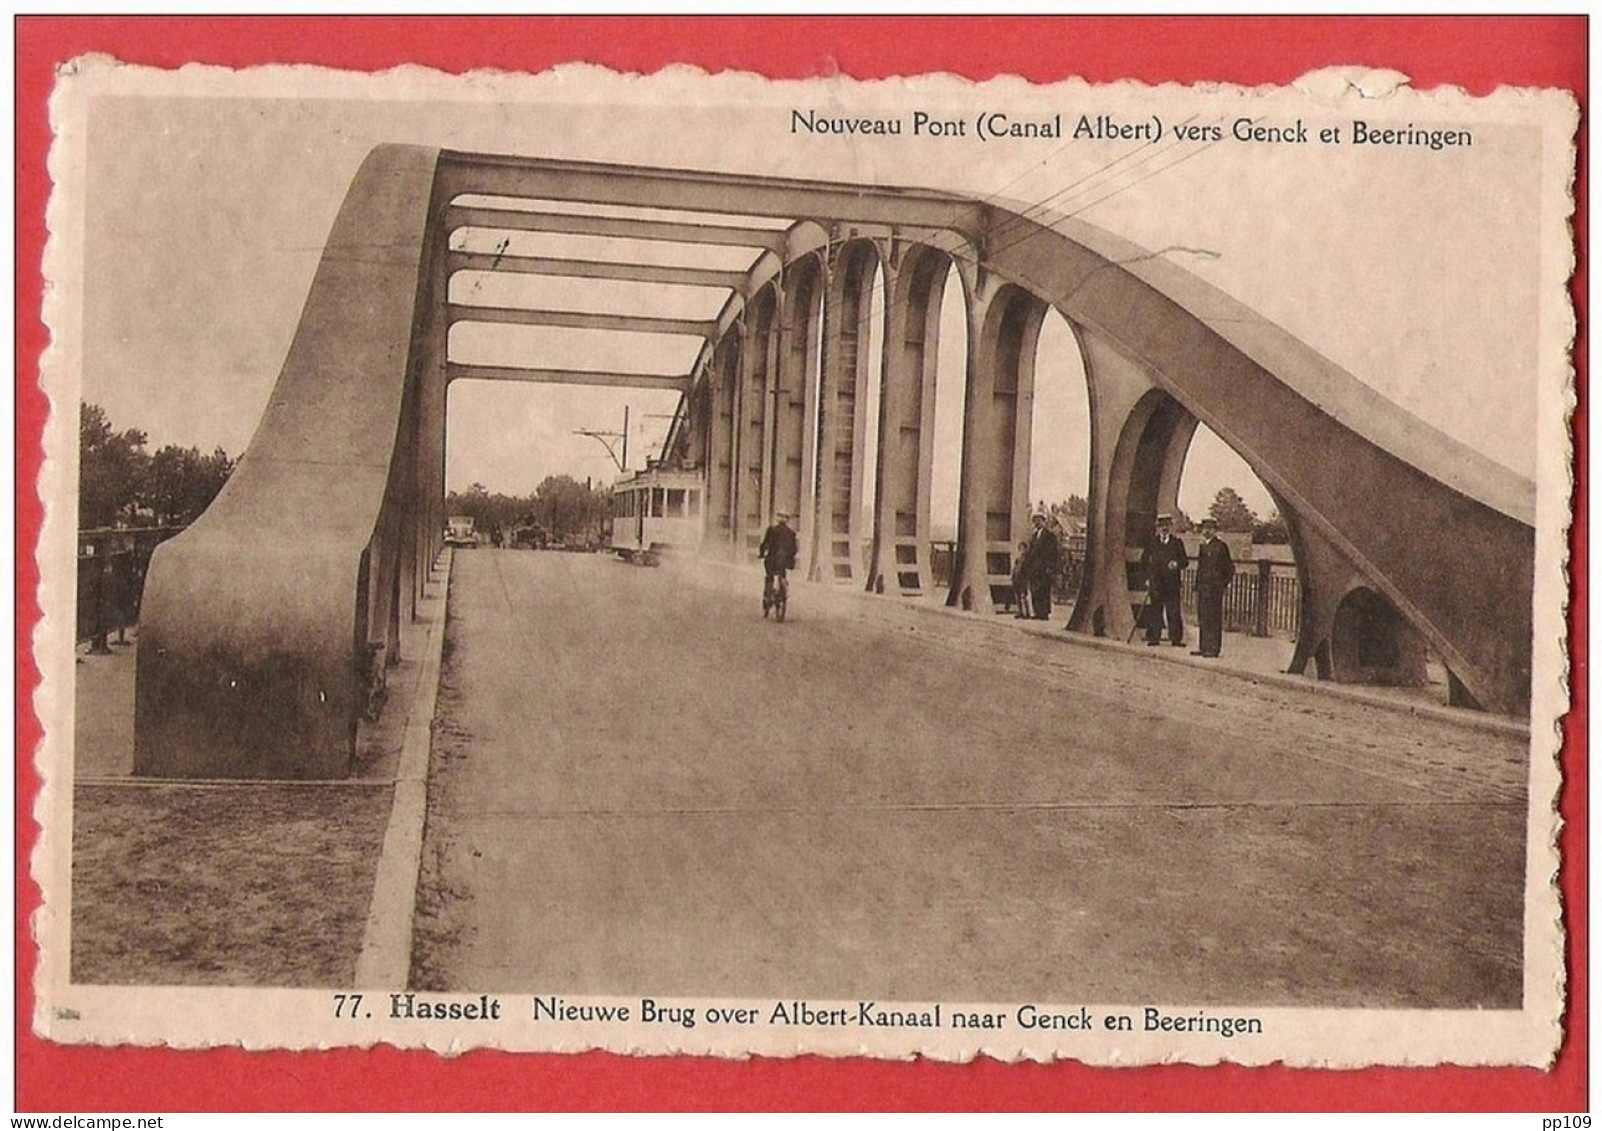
x: 298, y: 639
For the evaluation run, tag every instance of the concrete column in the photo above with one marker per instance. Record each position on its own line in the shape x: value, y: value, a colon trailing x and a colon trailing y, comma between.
x: 836, y: 549
x: 795, y: 451
x: 1003, y: 329
x: 721, y: 454
x: 915, y: 281
x: 754, y: 471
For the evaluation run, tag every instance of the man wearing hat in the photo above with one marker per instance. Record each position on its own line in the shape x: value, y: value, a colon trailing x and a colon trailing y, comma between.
x: 1214, y: 569
x: 778, y: 552
x: 1165, y: 561
x: 1041, y: 560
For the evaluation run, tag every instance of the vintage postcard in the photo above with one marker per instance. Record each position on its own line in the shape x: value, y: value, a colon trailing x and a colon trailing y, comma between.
x: 696, y: 563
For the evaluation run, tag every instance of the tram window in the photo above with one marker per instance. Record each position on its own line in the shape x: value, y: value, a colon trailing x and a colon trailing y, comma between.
x: 695, y: 503
x: 675, y: 502
x: 656, y: 502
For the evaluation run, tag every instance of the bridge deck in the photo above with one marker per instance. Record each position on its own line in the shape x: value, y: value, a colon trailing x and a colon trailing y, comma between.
x: 642, y: 787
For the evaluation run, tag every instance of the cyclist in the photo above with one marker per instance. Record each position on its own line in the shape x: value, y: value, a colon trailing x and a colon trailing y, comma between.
x: 778, y: 552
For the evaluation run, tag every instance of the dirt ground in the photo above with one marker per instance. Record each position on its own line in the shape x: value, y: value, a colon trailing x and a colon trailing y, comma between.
x: 640, y: 786
x: 248, y: 884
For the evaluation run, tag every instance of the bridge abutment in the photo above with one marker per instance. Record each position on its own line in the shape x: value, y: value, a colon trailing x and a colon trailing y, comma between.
x: 265, y: 624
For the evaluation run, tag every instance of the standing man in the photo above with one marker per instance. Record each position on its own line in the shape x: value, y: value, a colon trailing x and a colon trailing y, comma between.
x: 1040, y: 566
x: 778, y: 553
x: 1165, y: 561
x: 1214, y: 569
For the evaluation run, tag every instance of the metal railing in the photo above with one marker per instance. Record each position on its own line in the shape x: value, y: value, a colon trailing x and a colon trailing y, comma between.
x: 1258, y: 600
x: 111, y: 580
x: 1261, y: 599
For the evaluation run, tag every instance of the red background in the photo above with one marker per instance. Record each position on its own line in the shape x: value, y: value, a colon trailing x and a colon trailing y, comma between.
x: 1477, y: 53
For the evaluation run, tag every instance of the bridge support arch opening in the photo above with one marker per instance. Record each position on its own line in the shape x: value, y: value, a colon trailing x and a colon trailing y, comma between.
x: 845, y: 418
x: 993, y: 513
x: 1138, y: 482
x: 1370, y: 642
x: 1264, y: 598
x: 1059, y: 464
x: 917, y: 295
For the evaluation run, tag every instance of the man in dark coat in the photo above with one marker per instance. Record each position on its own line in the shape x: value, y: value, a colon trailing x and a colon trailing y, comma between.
x: 1165, y: 561
x: 1214, y: 569
x: 778, y: 552
x: 1041, y: 561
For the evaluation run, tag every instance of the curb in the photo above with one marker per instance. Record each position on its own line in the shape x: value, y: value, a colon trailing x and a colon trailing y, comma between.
x: 386, y: 957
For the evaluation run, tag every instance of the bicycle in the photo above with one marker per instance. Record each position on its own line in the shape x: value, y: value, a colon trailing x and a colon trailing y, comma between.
x: 776, y: 595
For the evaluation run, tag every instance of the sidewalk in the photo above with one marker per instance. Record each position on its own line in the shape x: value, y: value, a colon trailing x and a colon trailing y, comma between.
x: 1263, y: 659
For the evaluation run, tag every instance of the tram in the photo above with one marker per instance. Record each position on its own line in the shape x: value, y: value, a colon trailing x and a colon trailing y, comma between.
x: 657, y: 512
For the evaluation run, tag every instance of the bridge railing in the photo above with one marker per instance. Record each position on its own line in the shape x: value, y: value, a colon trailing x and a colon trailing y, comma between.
x: 1261, y: 599
x: 112, y: 563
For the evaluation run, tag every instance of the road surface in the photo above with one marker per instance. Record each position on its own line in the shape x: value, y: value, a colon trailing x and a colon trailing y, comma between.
x: 640, y: 786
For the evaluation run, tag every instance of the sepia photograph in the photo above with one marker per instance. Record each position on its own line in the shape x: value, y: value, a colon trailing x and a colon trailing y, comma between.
x: 699, y: 563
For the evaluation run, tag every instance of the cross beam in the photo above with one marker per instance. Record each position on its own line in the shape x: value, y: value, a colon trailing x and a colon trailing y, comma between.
x: 599, y: 269
x: 613, y: 227
x: 456, y: 371
x: 583, y: 320
x: 696, y: 191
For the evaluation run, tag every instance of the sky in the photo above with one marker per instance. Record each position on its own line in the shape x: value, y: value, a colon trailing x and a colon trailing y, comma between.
x: 208, y: 194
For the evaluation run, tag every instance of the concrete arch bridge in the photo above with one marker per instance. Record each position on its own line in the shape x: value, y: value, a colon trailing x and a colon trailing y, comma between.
x: 260, y: 631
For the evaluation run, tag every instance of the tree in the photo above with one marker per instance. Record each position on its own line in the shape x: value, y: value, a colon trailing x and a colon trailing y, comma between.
x: 180, y: 483
x: 566, y: 508
x: 111, y: 469
x: 1272, y: 531
x: 1231, y: 513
